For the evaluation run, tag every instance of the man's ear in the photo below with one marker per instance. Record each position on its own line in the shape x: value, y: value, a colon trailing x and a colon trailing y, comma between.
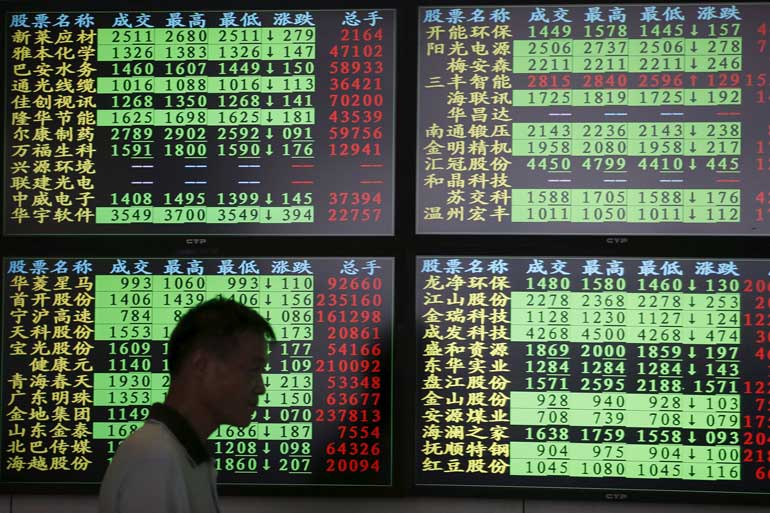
x: 199, y: 362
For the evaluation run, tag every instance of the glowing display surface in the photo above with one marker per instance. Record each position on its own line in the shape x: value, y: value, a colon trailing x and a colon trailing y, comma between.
x: 601, y: 373
x: 258, y: 122
x: 84, y: 357
x: 589, y: 119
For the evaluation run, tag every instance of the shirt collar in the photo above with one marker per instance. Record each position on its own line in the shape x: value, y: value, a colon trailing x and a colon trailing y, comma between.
x: 182, y: 430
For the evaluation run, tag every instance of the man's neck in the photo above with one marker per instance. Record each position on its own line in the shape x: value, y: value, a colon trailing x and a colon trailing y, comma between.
x: 191, y: 409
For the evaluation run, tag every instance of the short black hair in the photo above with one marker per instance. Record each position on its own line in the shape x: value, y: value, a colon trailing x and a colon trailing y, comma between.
x: 212, y: 326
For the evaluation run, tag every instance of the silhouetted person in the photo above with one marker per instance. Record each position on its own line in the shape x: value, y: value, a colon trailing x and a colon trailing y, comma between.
x: 216, y: 357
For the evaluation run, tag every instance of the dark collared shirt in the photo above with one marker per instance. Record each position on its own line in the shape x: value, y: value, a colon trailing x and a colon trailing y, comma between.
x: 182, y: 430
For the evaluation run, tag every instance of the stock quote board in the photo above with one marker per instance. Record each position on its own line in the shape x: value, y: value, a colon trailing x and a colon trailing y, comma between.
x: 84, y: 352
x: 589, y: 119
x: 232, y: 122
x: 593, y: 373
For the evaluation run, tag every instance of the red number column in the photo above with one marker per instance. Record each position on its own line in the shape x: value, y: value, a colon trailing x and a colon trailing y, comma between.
x: 756, y: 402
x: 357, y: 123
x: 349, y: 315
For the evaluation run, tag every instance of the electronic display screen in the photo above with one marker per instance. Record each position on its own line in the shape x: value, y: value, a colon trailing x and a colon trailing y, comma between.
x: 230, y: 122
x: 593, y: 119
x: 84, y: 344
x: 593, y: 373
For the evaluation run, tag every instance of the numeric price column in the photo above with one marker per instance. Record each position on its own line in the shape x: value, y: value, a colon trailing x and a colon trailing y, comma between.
x: 291, y: 53
x: 349, y: 312
x: 542, y: 317
x: 600, y: 336
x: 182, y: 56
x: 126, y: 99
x: 126, y: 104
x: 287, y: 303
x: 356, y: 94
x: 713, y: 325
x: 357, y: 104
x: 181, y: 121
x: 236, y: 86
x: 290, y: 361
x: 132, y: 378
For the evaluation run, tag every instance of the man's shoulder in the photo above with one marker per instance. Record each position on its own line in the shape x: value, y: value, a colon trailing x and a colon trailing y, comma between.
x: 145, y: 472
x: 153, y: 442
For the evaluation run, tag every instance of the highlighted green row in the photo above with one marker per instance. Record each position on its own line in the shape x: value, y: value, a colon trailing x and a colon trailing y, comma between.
x: 648, y: 147
x: 682, y: 46
x: 643, y: 306
x: 184, y: 36
x: 642, y: 131
x: 125, y: 315
x: 638, y: 130
x: 208, y: 215
x: 720, y: 403
x: 205, y: 84
x: 273, y: 283
x: 628, y: 64
x: 130, y: 380
x: 266, y: 431
x: 596, y: 467
x: 205, y: 52
x: 622, y: 318
x: 210, y: 117
x: 126, y: 382
x: 275, y: 399
x: 631, y: 453
x: 582, y: 319
x: 163, y: 299
x: 138, y: 331
x: 255, y: 431
x: 625, y: 418
x: 626, y: 97
x: 626, y: 197
x: 602, y: 213
x: 128, y: 397
x: 651, y: 334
